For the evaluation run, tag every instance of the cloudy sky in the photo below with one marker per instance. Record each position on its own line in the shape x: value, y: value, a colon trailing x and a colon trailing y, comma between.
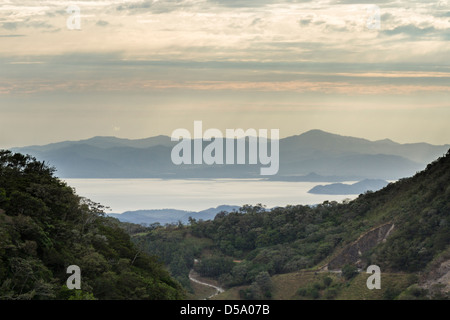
x: 134, y: 69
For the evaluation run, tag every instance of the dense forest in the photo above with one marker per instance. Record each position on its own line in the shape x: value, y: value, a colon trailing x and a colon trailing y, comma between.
x: 45, y: 227
x: 282, y: 240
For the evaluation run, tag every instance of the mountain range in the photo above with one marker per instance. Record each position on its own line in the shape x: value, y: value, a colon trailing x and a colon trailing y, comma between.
x: 312, y: 156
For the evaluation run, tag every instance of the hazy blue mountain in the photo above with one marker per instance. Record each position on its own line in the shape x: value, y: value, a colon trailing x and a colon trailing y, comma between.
x: 316, y: 140
x: 106, y: 142
x: 312, y: 156
x: 164, y: 216
x: 355, y: 188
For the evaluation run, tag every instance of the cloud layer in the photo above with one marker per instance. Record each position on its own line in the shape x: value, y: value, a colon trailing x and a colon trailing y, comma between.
x: 246, y: 61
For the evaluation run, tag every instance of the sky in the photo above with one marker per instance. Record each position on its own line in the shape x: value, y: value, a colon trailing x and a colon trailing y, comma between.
x: 135, y: 69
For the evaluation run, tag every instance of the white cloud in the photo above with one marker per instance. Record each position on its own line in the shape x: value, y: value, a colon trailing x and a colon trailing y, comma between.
x: 221, y: 29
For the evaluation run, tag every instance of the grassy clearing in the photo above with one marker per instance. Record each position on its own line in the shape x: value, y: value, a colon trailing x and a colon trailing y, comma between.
x: 309, y: 285
x: 201, y: 292
x: 392, y: 284
x: 285, y: 286
x: 230, y: 294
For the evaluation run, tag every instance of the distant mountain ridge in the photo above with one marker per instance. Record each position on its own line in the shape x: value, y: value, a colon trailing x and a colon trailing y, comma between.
x: 315, y: 153
x: 106, y: 142
x: 169, y: 216
x: 355, y: 188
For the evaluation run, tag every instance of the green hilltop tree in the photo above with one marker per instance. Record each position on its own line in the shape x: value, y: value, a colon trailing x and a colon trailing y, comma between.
x: 45, y: 227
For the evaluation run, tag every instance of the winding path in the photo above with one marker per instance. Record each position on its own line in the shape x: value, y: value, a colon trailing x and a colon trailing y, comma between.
x: 218, y: 289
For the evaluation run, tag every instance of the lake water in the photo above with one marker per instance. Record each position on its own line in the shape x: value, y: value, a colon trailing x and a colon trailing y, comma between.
x: 195, y: 195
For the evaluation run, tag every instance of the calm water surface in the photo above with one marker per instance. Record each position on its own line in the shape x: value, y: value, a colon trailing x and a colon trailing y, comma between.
x: 137, y: 194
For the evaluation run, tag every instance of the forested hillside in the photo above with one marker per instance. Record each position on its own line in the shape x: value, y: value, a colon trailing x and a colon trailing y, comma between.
x: 242, y: 247
x: 45, y: 227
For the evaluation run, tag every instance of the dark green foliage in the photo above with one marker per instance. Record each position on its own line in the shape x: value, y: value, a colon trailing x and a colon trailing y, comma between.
x: 309, y: 292
x: 391, y: 293
x: 214, y: 266
x: 423, y: 215
x: 260, y: 288
x: 276, y: 241
x: 45, y: 227
x: 174, y: 248
x: 349, y: 271
x: 299, y: 237
x: 327, y: 281
x: 330, y: 293
x: 414, y: 292
x: 322, y: 287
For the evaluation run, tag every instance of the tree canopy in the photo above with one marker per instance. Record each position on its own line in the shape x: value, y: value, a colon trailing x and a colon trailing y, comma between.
x: 45, y: 227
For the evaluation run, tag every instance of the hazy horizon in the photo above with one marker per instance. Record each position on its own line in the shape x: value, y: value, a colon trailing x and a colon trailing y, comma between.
x: 122, y: 195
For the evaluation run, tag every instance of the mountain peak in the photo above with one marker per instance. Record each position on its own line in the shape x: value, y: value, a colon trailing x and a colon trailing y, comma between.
x: 386, y: 141
x: 317, y: 137
x: 316, y: 132
x: 320, y: 134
